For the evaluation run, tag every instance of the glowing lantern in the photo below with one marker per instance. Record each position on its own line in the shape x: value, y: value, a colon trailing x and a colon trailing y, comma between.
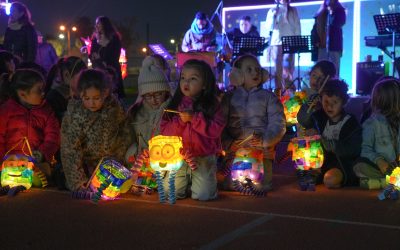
x: 393, y: 187
x: 165, y: 155
x: 123, y: 62
x: 108, y: 179
x: 307, y: 154
x: 17, y: 170
x: 292, y: 104
x: 248, y: 170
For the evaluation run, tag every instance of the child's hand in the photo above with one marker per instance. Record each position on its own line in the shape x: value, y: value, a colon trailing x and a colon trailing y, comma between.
x: 256, y: 141
x: 186, y: 116
x: 38, y: 156
x: 383, y: 165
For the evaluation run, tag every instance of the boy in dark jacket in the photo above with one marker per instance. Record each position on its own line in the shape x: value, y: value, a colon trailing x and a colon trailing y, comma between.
x: 341, y: 136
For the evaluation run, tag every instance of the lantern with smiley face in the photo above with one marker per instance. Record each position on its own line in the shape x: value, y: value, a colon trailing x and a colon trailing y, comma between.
x: 248, y: 171
x: 17, y: 170
x: 165, y: 155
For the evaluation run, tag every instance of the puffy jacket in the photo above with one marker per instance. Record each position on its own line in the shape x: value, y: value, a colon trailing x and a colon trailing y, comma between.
x: 38, y: 124
x: 257, y: 110
x: 201, y: 137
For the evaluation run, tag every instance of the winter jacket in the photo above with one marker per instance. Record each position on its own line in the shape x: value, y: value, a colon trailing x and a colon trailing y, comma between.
x: 46, y: 56
x: 286, y: 24
x: 327, y: 29
x: 144, y: 122
x: 346, y: 150
x: 38, y: 124
x: 253, y: 32
x: 88, y: 136
x: 377, y: 139
x: 22, y: 42
x: 200, y: 136
x: 109, y: 56
x: 255, y: 111
x: 200, y: 40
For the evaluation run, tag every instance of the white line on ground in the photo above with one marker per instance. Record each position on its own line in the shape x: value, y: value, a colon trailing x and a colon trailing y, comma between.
x: 287, y: 216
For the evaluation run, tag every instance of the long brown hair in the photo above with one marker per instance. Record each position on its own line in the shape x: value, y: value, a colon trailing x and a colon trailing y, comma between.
x: 386, y: 100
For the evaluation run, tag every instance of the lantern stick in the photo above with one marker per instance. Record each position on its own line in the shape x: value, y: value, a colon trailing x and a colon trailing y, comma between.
x: 246, y: 139
x: 172, y: 111
x: 319, y: 92
x: 94, y: 173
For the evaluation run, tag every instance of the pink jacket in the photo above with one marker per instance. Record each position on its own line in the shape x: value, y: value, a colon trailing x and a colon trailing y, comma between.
x: 38, y: 124
x: 200, y: 137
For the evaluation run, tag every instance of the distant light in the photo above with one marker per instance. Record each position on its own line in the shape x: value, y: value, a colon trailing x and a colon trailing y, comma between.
x: 62, y: 27
x: 7, y: 7
x: 144, y: 50
x: 74, y: 28
x: 172, y: 41
x: 61, y: 36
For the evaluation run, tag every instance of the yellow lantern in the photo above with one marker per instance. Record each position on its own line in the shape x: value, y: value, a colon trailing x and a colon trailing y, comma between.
x: 165, y: 153
x: 17, y: 170
x: 393, y: 187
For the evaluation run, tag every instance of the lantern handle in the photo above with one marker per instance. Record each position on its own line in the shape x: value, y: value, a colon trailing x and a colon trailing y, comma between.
x: 94, y: 173
x: 24, y: 141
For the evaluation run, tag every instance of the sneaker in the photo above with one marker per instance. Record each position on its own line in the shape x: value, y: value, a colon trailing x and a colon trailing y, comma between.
x: 372, y: 183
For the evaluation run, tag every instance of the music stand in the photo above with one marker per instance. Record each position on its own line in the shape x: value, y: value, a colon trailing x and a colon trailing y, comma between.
x: 389, y: 24
x: 252, y: 45
x: 297, y: 45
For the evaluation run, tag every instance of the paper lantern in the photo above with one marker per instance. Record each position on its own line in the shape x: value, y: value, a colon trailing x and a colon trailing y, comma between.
x: 292, y: 104
x: 392, y: 189
x: 17, y: 170
x: 108, y: 179
x: 247, y: 171
x: 165, y: 153
x: 307, y: 152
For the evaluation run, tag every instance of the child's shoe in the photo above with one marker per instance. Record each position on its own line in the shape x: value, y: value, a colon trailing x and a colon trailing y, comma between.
x: 372, y: 183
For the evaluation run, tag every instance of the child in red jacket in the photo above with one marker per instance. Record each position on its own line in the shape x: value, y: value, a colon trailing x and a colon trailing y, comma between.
x: 26, y: 114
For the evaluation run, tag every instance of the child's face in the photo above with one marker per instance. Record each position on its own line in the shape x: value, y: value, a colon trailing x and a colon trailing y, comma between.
x: 316, y: 78
x: 155, y: 99
x: 33, y: 96
x: 191, y: 82
x: 252, y: 73
x: 10, y: 66
x: 333, y: 106
x: 93, y: 99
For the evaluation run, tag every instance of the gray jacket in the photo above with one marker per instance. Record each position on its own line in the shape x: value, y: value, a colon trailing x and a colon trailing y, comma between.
x: 377, y: 140
x: 256, y: 111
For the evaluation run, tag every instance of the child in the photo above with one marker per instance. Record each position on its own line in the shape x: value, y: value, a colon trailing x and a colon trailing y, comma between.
x: 92, y: 128
x: 341, y: 136
x: 319, y: 73
x: 200, y: 124
x: 250, y: 109
x: 380, y: 137
x: 63, y: 85
x: 144, y: 116
x: 25, y: 114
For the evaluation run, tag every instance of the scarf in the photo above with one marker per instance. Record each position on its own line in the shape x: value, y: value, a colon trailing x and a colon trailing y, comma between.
x: 207, y: 30
x: 15, y: 26
x: 102, y: 40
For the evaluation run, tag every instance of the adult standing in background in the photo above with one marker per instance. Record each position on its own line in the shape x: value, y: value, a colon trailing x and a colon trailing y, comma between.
x: 20, y: 37
x: 327, y: 32
x: 282, y: 20
x: 106, y: 49
x: 201, y: 36
x: 46, y: 55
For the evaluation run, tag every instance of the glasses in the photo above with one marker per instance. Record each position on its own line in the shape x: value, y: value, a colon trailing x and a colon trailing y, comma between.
x: 156, y: 95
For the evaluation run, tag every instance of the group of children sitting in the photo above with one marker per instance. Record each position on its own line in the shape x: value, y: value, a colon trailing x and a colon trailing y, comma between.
x: 74, y: 117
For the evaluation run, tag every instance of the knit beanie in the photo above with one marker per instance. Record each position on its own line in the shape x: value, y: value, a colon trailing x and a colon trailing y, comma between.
x: 151, y: 78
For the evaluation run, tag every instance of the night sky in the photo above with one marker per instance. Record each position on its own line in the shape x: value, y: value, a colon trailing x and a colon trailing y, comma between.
x: 167, y: 18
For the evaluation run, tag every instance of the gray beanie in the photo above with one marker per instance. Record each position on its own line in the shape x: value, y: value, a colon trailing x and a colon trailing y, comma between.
x: 151, y: 78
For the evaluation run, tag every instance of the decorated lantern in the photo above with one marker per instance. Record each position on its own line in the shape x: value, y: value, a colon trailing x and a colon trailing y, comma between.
x: 107, y: 179
x: 291, y: 105
x: 17, y: 170
x: 392, y: 189
x: 307, y: 154
x: 248, y: 170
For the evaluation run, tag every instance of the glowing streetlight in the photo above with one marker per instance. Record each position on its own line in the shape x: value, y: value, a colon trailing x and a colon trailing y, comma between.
x: 63, y: 28
x: 172, y: 41
x: 144, y: 50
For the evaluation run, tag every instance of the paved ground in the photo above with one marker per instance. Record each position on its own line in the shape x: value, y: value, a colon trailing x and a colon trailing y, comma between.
x: 287, y: 218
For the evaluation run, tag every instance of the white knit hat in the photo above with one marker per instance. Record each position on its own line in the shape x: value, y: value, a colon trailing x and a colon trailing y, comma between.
x: 151, y: 78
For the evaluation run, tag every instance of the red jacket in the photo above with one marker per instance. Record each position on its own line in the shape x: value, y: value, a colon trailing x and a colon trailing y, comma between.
x: 200, y: 137
x: 38, y: 124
